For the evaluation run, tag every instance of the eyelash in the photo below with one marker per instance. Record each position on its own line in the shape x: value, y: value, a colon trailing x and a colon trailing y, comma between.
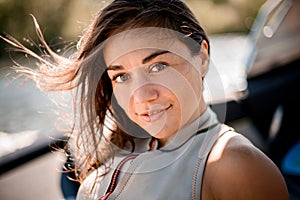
x: 116, y: 76
x: 159, y: 63
x: 151, y: 67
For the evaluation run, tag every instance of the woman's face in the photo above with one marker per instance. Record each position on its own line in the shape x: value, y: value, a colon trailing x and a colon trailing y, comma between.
x: 159, y: 86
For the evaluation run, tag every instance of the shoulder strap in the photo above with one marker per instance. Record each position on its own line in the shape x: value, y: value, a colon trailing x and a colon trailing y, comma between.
x: 208, y: 143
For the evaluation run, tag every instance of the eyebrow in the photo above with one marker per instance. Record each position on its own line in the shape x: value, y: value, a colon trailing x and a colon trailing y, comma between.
x: 154, y: 55
x: 144, y: 61
x: 114, y: 67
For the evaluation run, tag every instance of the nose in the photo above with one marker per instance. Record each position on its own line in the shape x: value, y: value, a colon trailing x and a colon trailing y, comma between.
x: 145, y: 93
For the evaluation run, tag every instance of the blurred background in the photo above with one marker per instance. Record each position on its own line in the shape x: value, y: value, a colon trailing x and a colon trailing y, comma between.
x: 65, y: 20
x: 28, y: 116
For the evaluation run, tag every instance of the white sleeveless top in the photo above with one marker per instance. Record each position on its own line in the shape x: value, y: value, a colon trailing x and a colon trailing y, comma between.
x: 174, y: 171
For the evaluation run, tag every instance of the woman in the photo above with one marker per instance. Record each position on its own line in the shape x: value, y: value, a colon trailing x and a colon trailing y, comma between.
x: 144, y: 130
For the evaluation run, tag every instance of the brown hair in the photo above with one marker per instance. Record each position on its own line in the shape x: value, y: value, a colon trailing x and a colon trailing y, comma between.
x: 83, y: 72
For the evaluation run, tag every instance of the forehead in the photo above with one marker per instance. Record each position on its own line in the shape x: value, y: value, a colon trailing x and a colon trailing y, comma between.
x: 144, y: 40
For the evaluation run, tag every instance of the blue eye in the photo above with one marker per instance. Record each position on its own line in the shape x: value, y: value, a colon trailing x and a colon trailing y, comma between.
x: 120, y: 78
x: 157, y: 67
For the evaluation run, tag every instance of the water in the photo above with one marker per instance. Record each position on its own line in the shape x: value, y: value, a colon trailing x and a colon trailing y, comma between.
x: 22, y: 105
x: 25, y: 113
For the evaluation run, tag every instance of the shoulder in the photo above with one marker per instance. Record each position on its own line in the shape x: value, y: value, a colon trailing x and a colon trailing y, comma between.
x: 236, y: 169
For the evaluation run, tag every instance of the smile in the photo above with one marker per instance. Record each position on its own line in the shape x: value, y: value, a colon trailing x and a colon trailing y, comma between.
x: 154, y: 115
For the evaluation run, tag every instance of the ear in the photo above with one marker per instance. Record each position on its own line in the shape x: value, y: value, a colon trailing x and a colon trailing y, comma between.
x: 204, y: 58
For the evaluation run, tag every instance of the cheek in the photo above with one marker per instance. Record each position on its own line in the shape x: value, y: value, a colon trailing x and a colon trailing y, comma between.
x: 187, y: 98
x: 184, y: 90
x: 122, y: 95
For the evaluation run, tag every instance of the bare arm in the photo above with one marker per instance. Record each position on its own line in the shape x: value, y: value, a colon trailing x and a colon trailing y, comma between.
x: 238, y: 170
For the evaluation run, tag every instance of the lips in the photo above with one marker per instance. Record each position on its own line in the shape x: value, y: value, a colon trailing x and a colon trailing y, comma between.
x: 154, y: 115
